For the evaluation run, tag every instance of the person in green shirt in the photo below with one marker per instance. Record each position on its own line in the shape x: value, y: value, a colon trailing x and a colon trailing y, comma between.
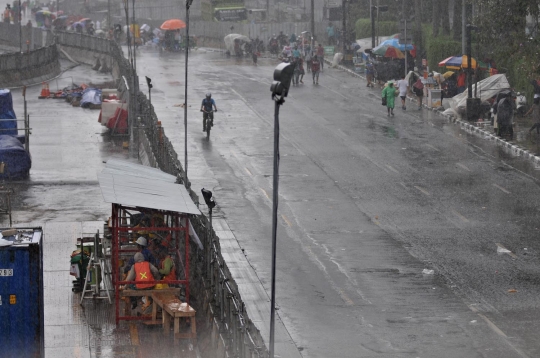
x: 166, y: 268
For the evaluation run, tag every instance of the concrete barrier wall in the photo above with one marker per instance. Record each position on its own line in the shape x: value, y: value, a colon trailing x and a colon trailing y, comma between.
x: 19, y: 69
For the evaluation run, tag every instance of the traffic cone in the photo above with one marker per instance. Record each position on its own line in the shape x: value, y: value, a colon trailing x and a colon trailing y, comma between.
x: 45, y: 93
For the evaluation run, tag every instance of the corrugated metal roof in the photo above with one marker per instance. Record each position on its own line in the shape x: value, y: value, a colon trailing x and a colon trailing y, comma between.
x: 123, y: 183
x: 124, y: 167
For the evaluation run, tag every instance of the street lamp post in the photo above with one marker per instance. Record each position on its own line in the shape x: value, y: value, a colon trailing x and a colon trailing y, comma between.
x: 280, y: 88
x: 188, y: 5
x: 381, y: 8
x: 473, y: 104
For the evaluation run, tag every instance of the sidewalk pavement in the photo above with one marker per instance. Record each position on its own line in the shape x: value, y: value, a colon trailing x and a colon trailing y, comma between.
x: 524, y: 143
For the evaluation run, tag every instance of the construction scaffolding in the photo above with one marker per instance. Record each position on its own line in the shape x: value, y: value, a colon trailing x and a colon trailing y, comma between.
x: 146, y: 202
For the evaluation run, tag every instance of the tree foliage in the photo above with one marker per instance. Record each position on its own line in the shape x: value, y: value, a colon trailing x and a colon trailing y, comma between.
x: 505, y: 36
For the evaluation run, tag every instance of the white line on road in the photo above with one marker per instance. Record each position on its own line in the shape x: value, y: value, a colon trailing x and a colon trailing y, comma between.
x: 286, y: 220
x: 432, y: 147
x: 463, y: 218
x: 462, y: 166
x: 424, y: 191
x: 501, y: 188
x: 265, y: 193
x: 498, y: 331
x: 392, y: 168
x: 247, y: 170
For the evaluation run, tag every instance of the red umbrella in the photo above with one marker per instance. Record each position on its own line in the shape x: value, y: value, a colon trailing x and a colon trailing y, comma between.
x: 173, y: 24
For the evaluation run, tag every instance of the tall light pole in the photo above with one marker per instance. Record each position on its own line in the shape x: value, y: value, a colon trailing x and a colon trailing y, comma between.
x: 188, y: 5
x: 280, y: 88
x: 312, y: 20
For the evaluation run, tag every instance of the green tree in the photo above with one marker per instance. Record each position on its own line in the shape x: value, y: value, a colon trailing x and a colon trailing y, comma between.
x: 435, y: 18
x: 503, y: 35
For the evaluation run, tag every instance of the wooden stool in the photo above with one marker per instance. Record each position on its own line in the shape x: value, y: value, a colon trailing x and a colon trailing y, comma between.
x: 172, y: 307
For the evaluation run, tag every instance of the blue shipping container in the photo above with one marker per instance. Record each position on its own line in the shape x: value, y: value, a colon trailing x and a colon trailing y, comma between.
x: 21, y: 294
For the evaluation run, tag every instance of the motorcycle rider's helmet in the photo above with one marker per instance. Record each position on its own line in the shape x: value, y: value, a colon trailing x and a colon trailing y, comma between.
x: 209, y: 95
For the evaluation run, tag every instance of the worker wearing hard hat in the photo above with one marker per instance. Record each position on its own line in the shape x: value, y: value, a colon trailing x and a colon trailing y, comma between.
x: 143, y: 249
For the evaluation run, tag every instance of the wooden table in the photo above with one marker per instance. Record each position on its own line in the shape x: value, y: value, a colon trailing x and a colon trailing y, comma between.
x: 173, y: 308
x: 140, y: 293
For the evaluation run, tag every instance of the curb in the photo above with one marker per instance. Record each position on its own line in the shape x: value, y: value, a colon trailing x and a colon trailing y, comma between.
x: 465, y: 125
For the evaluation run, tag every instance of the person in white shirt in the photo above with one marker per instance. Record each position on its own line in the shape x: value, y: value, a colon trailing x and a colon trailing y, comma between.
x: 403, y: 87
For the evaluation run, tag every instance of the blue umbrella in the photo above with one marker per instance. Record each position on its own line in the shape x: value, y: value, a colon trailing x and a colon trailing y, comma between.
x: 395, y: 43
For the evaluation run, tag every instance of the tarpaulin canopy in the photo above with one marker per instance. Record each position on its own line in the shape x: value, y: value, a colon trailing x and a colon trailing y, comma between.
x: 7, y: 112
x: 17, y: 160
x: 487, y: 88
x: 90, y: 96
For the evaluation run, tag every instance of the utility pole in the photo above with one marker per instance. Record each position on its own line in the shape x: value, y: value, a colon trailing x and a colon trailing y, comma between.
x: 463, y: 26
x: 344, y: 37
x: 312, y: 20
x: 188, y: 5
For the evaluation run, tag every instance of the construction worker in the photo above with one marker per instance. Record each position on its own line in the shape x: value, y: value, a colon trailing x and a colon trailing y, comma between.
x: 167, y: 268
x: 143, y: 273
x: 142, y: 244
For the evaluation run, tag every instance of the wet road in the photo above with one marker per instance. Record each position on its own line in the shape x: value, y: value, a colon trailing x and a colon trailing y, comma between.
x: 367, y: 202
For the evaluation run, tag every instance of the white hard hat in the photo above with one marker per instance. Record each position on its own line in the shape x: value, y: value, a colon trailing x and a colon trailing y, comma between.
x: 141, y: 241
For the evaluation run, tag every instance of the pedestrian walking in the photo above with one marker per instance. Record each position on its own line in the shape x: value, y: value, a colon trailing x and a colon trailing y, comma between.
x: 331, y: 34
x: 535, y: 110
x: 370, y: 72
x: 388, y: 97
x: 403, y: 87
x: 315, y: 68
x: 418, y: 89
x: 505, y: 117
x: 461, y: 82
x: 308, y: 61
x: 320, y: 56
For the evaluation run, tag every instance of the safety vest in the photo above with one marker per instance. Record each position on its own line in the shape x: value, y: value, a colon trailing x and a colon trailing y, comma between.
x: 143, y: 274
x: 172, y: 274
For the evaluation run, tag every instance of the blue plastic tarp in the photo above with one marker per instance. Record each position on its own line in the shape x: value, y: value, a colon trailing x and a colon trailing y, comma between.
x: 7, y: 112
x: 17, y: 160
x: 90, y: 96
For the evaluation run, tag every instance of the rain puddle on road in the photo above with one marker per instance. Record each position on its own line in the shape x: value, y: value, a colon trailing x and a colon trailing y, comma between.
x: 387, y: 130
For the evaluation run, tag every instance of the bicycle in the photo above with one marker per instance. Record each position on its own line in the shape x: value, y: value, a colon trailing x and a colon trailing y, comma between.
x: 208, y: 120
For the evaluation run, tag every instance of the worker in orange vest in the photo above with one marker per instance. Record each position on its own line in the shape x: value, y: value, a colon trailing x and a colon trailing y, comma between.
x: 143, y: 273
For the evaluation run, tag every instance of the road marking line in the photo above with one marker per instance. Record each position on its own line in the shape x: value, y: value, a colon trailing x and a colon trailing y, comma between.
x: 501, y: 188
x: 286, y: 220
x: 346, y: 298
x: 460, y: 216
x: 432, y: 147
x: 265, y: 193
x: 392, y: 168
x: 247, y: 170
x: 134, y: 334
x: 509, y: 253
x: 498, y: 331
x: 463, y: 167
x: 423, y: 190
